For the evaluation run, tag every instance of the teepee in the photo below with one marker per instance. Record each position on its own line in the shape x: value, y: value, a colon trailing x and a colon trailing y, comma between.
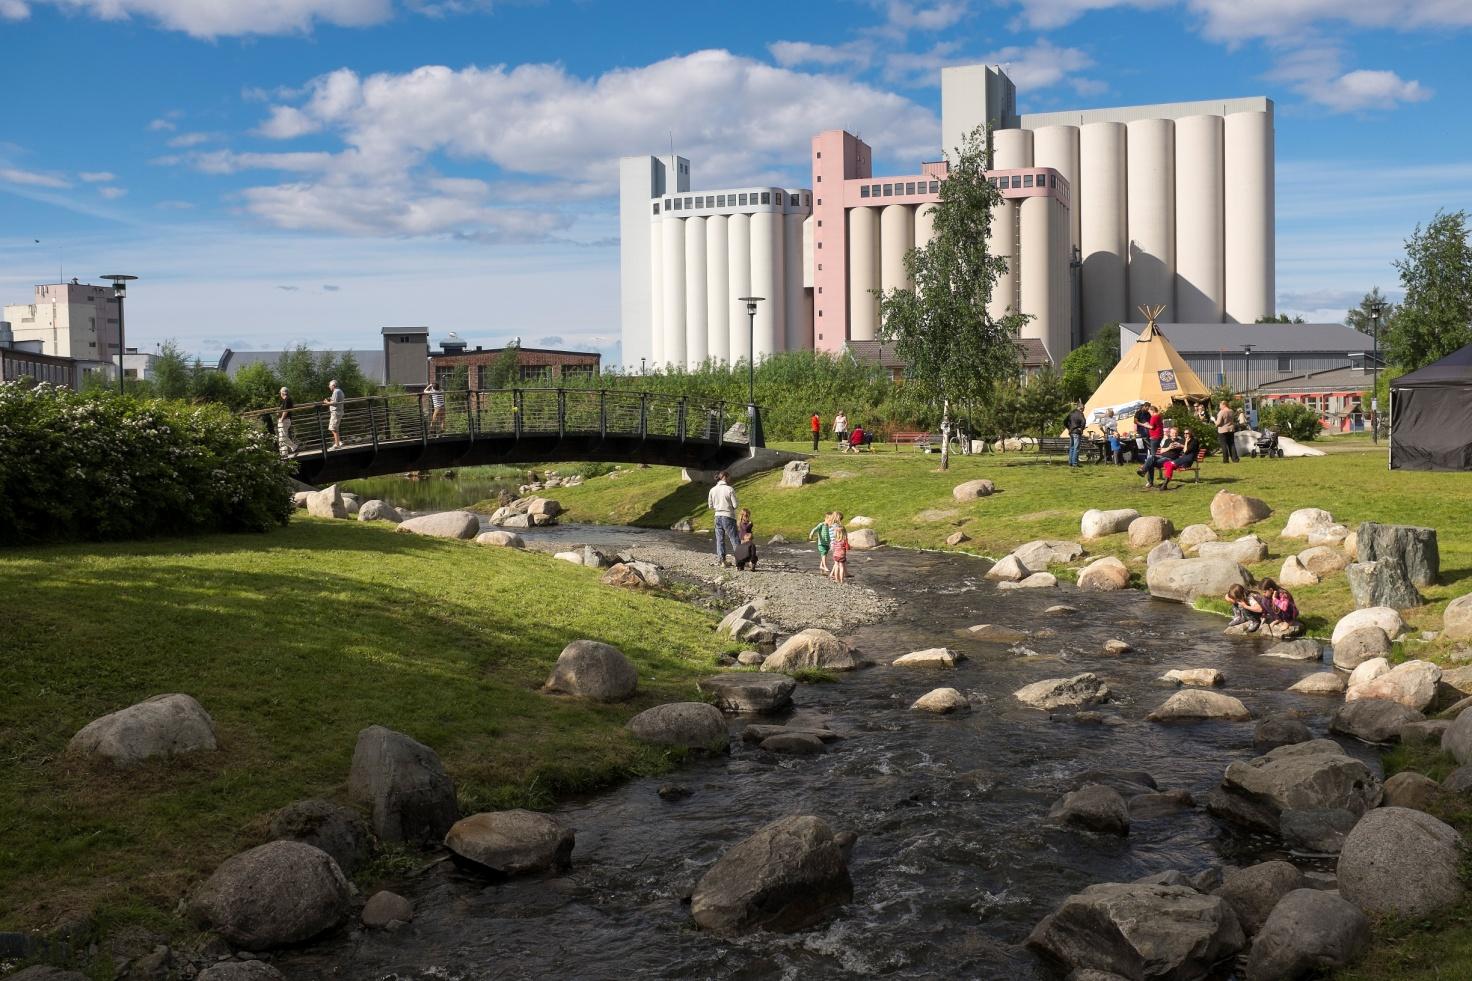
x: 1152, y: 370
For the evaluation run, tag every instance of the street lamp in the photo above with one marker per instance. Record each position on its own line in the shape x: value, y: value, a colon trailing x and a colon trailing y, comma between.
x: 751, y: 302
x: 1247, y: 369
x: 119, y: 288
x: 1377, y: 307
x: 641, y: 367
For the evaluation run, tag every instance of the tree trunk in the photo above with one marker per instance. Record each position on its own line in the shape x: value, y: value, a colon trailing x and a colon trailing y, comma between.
x: 945, y: 434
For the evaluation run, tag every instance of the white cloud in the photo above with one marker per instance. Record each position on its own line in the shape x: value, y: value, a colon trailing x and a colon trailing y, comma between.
x: 112, y: 193
x: 936, y: 16
x: 14, y: 10
x: 1041, y: 65
x: 287, y: 123
x: 230, y: 162
x: 1316, y: 74
x: 97, y: 176
x: 165, y: 123
x: 190, y: 139
x: 791, y: 54
x: 1237, y: 20
x: 221, y: 18
x: 31, y: 178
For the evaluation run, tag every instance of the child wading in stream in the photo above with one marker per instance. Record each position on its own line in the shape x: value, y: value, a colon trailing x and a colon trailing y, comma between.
x: 840, y: 554
x: 822, y: 533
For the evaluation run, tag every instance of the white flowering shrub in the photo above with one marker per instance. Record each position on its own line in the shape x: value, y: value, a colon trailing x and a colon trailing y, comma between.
x: 78, y: 467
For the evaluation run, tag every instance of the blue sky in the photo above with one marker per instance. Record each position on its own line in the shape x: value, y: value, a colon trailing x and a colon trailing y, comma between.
x: 310, y: 170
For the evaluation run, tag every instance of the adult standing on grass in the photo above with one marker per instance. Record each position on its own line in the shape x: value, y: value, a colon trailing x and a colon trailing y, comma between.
x: 1075, y: 426
x: 723, y: 504
x: 840, y: 430
x: 817, y: 426
x: 334, y: 402
x: 1226, y: 429
x: 284, y: 442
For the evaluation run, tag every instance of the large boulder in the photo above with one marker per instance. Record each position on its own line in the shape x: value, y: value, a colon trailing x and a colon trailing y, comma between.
x: 1330, y: 535
x: 515, y: 842
x: 164, y: 725
x: 1412, y: 684
x: 1309, y: 932
x: 1456, y: 620
x: 749, y: 691
x: 503, y: 539
x: 543, y: 508
x: 1322, y: 560
x: 339, y: 831
x: 1199, y: 677
x: 327, y: 503
x: 1097, y: 524
x: 1316, y: 832
x: 1401, y: 862
x: 1079, y: 691
x: 942, y: 701
x: 1104, y: 575
x: 811, y: 648
x: 590, y: 669
x: 445, y: 524
x: 279, y: 893
x: 1368, y: 671
x: 1305, y: 521
x: 1042, y: 553
x: 1140, y: 930
x: 684, y: 725
x: 788, y: 876
x: 972, y: 489
x: 1186, y: 579
x: 1195, y: 703
x: 1294, y: 573
x: 1359, y: 646
x: 384, y: 909
x: 1413, y: 550
x: 1319, y: 683
x: 1457, y: 740
x: 1246, y: 550
x: 863, y: 539
x: 1229, y: 510
x: 1384, y: 617
x: 1038, y: 580
x: 1149, y: 531
x: 1410, y: 789
x: 1303, y: 649
x: 1193, y: 535
x: 624, y: 575
x: 1008, y: 569
x: 1254, y: 891
x: 1310, y: 776
x: 1165, y: 550
x: 1373, y: 720
x: 1271, y: 733
x: 404, y: 783
x: 795, y: 474
x: 931, y: 657
x: 376, y: 510
x: 1381, y: 584
x: 1093, y: 807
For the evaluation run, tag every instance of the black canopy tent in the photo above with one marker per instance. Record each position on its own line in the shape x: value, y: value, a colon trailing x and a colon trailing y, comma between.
x: 1431, y: 416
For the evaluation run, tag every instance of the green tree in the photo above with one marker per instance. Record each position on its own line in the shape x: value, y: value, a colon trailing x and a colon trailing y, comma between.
x: 1435, y: 318
x: 256, y: 386
x: 503, y: 372
x: 1090, y: 363
x: 173, y: 376
x: 1362, y: 317
x: 953, y: 350
x: 1281, y: 318
x: 1044, y: 403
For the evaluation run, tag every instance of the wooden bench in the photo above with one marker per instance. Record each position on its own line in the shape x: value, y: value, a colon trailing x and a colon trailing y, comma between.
x: 1094, y: 450
x: 922, y: 440
x: 1194, y: 468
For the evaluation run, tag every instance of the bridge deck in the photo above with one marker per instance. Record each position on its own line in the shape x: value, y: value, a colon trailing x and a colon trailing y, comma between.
x: 397, y: 433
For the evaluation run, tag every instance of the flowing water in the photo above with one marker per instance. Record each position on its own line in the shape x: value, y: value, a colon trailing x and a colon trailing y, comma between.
x: 954, y: 863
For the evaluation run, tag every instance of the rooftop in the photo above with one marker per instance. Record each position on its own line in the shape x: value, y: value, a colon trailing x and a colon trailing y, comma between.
x: 1265, y: 338
x: 1328, y: 380
x: 1034, y: 355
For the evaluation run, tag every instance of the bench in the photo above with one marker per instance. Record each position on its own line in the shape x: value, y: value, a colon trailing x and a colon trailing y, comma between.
x: 1095, y: 450
x: 922, y: 440
x: 1194, y: 468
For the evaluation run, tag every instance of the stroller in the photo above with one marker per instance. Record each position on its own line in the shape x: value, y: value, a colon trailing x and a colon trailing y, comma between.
x: 1267, y: 445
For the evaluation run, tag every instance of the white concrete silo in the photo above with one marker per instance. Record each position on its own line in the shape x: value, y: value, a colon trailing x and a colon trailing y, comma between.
x: 896, y: 238
x: 672, y: 282
x: 797, y: 318
x: 1058, y: 147
x: 1151, y: 209
x: 697, y: 346
x: 863, y: 273
x: 766, y: 281
x: 1199, y: 284
x: 738, y: 258
x: 1100, y: 199
x: 717, y: 288
x: 1004, y: 243
x: 1011, y: 148
x: 924, y: 225
x: 656, y: 294
x: 1039, y: 239
x: 1248, y: 227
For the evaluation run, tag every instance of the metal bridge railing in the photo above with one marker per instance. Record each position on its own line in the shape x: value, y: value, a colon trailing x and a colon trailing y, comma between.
x: 515, y: 412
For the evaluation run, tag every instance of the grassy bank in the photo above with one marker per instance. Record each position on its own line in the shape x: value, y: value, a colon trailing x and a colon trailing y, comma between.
x: 293, y: 641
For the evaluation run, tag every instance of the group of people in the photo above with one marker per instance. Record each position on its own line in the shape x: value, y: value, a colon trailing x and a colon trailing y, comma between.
x: 284, y: 404
x: 735, y: 533
x: 848, y: 440
x: 1269, y: 603
x: 833, y: 546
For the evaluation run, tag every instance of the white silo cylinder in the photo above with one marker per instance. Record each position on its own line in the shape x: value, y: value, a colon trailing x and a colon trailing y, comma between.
x: 717, y: 289
x: 924, y: 225
x: 673, y: 281
x: 1004, y: 244
x: 1037, y: 244
x: 1011, y: 148
x: 1199, y: 264
x: 1062, y: 273
x: 896, y: 238
x: 863, y: 273
x: 697, y: 347
x: 798, y: 323
x: 1151, y: 209
x: 738, y: 258
x: 1058, y: 147
x: 656, y: 294
x: 766, y: 281
x: 1099, y: 199
x: 1248, y: 224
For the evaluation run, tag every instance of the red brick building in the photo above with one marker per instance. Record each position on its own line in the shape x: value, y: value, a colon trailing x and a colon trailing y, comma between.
x: 536, y: 367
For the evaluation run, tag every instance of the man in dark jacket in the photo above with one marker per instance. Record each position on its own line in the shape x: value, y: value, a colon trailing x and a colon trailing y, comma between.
x: 1075, y: 425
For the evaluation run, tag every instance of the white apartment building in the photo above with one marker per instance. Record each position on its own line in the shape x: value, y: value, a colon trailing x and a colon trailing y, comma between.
x: 71, y: 320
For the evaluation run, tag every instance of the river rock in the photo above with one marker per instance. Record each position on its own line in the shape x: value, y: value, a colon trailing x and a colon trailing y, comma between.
x: 543, y: 507
x: 1459, y: 781
x: 1196, y: 704
x: 751, y: 659
x: 1457, y: 740
x: 279, y: 893
x: 957, y: 538
x: 1272, y: 733
x: 1309, y: 932
x: 1373, y: 720
x: 973, y: 489
x: 942, y: 701
x: 1456, y: 684
x: 1314, y: 775
x: 1097, y: 524
x: 515, y: 842
x: 504, y: 539
x: 683, y: 525
x: 757, y: 732
x: 1383, y: 617
x: 1330, y: 535
x: 405, y: 784
x: 1093, y: 808
x: 795, y: 474
x: 1186, y: 579
x: 995, y: 633
x: 1359, y: 645
x: 1410, y: 789
x: 624, y: 576
x: 1316, y: 832
x: 811, y: 648
x: 1304, y: 649
x: 1294, y: 574
x: 339, y: 831
x: 590, y: 669
x: 1319, y: 683
x: 1008, y: 569
x: 1115, y: 647
x: 1246, y: 550
x: 445, y: 524
x: 384, y: 909
x: 161, y: 726
x: 1412, y: 684
x: 1193, y: 535
x: 1456, y: 620
x: 684, y: 725
x: 1201, y: 677
x: 1229, y: 510
x: 1321, y: 560
x: 1127, y: 782
x: 327, y: 503
x: 512, y: 521
x: 1042, y: 553
x: 1104, y: 575
x: 1149, y: 806
x: 1165, y: 550
x: 863, y: 539
x: 1305, y: 521
x: 1149, y: 531
x: 933, y: 657
x: 1368, y: 671
x: 1381, y: 584
x: 1424, y: 733
x: 793, y: 743
x: 861, y: 521
x: 1254, y: 891
x: 748, y: 691
x: 1413, y: 550
x: 1079, y: 691
x: 1401, y: 862
x: 1038, y: 580
x: 221, y: 971
x: 1140, y: 930
x: 788, y: 876
x: 379, y: 511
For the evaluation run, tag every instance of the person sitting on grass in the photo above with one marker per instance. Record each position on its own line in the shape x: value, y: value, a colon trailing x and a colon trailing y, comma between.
x: 840, y: 554
x: 1182, y: 459
x: 822, y: 533
x: 1246, y: 608
x: 1278, y: 605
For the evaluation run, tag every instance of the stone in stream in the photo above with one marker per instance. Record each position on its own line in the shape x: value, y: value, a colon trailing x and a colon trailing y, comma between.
x: 1196, y: 704
x: 445, y: 524
x: 1410, y: 789
x: 379, y: 511
x: 1303, y: 649
x: 793, y: 743
x: 811, y: 648
x: 1373, y: 720
x: 1115, y: 647
x: 1104, y: 575
x: 1381, y: 584
x: 1079, y: 691
x: 1384, y: 617
x: 502, y: 539
x: 1309, y: 932
x: 1456, y: 619
x: 1305, y: 521
x: 682, y: 525
x: 590, y: 669
x: 405, y: 784
x: 221, y: 971
x: 1139, y: 930
x: 1202, y: 677
x: 942, y: 701
x: 161, y: 726
x: 1093, y: 808
x: 1359, y: 645
x: 1319, y: 683
x: 1148, y: 531
x: 1192, y: 536
x: 863, y: 539
x: 515, y: 842
x: 994, y: 633
x: 279, y: 893
x: 1412, y: 684
x: 1322, y: 560
x: 748, y: 691
x: 972, y: 490
x: 1245, y: 550
x: 339, y: 831
x: 683, y: 725
x: 1097, y: 524
x: 1293, y: 574
x: 1229, y: 510
x: 787, y: 876
x: 327, y: 503
x: 1368, y: 671
x: 934, y: 657
x: 757, y: 732
x: 674, y: 791
x: 1272, y: 733
x: 1305, y: 776
x: 1254, y: 891
x: 1410, y: 549
x: 1316, y: 831
x: 1145, y: 807
x: 1008, y: 569
x: 1401, y: 862
x: 1044, y: 552
x: 1038, y: 580
x: 1126, y: 782
x: 384, y: 909
x: 1186, y: 579
x: 1165, y: 550
x: 1061, y: 609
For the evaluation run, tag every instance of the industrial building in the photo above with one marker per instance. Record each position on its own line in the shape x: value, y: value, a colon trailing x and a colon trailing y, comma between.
x: 72, y: 320
x: 1246, y: 357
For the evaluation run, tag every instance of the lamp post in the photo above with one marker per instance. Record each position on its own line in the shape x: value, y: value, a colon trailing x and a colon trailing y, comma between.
x: 1247, y: 381
x: 751, y: 421
x: 641, y: 367
x: 119, y: 289
x: 1377, y: 307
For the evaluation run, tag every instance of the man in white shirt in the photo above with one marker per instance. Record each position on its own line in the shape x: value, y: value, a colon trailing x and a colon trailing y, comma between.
x: 334, y: 401
x: 722, y: 502
x: 436, y: 408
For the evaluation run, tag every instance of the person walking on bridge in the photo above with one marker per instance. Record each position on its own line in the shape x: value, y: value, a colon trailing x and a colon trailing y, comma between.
x: 436, y: 407
x: 334, y: 402
x: 723, y: 504
x: 284, y: 442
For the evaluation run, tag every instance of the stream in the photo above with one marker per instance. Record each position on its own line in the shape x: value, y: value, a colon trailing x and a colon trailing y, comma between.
x: 954, y: 864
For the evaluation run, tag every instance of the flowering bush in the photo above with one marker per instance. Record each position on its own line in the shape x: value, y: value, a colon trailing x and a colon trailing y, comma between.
x: 103, y: 466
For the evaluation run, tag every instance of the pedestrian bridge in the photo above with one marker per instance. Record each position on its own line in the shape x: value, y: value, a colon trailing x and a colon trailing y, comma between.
x: 391, y: 434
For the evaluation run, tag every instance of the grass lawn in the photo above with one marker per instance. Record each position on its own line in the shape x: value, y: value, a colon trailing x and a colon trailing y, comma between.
x: 293, y: 641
